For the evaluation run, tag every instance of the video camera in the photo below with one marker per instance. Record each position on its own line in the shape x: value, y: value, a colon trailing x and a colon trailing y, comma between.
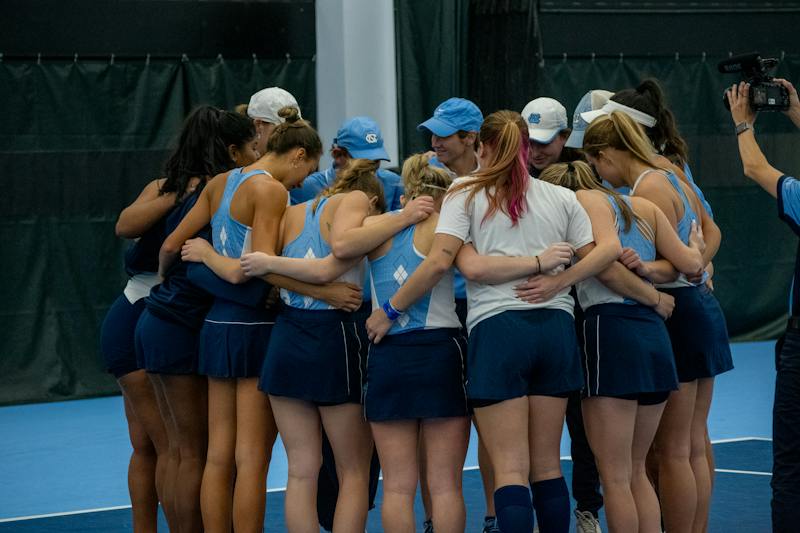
x: 765, y: 94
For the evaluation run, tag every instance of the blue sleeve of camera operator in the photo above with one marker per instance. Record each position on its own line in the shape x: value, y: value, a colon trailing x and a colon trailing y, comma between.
x: 789, y: 202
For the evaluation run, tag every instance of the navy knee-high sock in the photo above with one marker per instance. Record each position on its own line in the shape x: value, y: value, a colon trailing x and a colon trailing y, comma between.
x: 551, y: 501
x: 512, y: 505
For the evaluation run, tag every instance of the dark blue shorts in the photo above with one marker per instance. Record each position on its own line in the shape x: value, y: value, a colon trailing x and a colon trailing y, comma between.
x: 698, y: 333
x: 314, y: 356
x: 523, y: 353
x: 117, y: 336
x: 234, y: 340
x: 626, y: 351
x: 166, y: 347
x: 418, y: 374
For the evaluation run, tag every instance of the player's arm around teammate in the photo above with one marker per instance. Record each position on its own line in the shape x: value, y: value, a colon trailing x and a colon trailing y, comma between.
x: 627, y: 344
x: 519, y: 412
x: 313, y: 370
x: 247, y: 206
x: 615, y: 144
x: 414, y: 396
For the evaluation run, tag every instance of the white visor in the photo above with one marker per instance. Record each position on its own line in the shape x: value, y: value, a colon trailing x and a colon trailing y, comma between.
x: 642, y: 118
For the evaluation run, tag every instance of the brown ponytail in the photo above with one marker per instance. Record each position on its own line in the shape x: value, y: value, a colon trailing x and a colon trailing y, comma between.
x: 294, y: 133
x: 618, y: 131
x: 648, y: 97
x: 358, y: 175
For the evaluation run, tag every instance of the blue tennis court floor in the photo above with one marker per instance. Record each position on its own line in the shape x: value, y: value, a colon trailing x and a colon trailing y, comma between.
x: 63, y: 465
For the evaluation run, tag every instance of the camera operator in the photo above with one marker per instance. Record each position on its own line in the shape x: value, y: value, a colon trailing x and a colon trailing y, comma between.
x: 786, y: 410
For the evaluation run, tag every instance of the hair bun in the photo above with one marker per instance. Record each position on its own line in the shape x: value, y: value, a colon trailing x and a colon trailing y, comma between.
x: 290, y: 114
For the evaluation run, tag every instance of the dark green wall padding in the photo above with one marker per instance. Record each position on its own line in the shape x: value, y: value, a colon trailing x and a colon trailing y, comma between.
x: 498, y: 68
x: 78, y: 141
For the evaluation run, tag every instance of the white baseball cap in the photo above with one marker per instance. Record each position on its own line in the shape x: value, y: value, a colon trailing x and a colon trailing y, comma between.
x: 546, y: 118
x: 265, y: 104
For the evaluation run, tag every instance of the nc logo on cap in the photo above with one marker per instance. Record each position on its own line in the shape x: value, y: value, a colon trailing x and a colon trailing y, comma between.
x: 534, y: 118
x: 371, y: 138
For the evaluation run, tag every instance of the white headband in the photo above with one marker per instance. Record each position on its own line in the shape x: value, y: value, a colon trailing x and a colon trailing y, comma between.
x: 642, y: 118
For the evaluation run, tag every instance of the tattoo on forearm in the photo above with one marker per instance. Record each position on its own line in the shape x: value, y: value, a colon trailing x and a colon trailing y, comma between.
x: 328, y: 224
x: 448, y: 252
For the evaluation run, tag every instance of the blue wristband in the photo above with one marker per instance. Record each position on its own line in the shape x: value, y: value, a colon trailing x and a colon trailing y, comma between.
x: 390, y: 311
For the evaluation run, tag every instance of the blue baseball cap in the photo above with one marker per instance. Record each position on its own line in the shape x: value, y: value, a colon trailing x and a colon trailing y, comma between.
x: 453, y: 115
x: 362, y: 137
x: 591, y: 101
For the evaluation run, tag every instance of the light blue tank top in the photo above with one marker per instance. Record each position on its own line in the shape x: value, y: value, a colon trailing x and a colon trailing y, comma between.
x: 230, y: 237
x: 308, y: 244
x: 698, y: 192
x: 437, y: 309
x: 684, y: 228
x: 640, y: 237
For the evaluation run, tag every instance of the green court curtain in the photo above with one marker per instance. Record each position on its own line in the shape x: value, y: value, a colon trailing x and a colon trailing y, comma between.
x: 78, y: 141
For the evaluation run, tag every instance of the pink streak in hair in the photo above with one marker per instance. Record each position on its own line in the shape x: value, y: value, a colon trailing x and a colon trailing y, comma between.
x: 519, y: 182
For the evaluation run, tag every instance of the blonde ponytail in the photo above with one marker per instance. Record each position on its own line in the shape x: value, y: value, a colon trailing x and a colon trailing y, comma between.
x: 422, y: 178
x: 578, y: 176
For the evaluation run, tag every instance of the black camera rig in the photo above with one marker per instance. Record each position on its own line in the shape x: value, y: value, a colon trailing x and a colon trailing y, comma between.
x: 765, y: 94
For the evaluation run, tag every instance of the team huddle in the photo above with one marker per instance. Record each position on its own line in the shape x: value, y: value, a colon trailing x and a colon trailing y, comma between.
x: 520, y: 273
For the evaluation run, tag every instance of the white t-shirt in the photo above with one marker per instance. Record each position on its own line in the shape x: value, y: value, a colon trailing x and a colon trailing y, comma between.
x: 553, y: 214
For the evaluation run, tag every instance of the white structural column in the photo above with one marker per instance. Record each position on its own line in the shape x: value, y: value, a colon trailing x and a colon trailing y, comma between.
x: 356, y: 72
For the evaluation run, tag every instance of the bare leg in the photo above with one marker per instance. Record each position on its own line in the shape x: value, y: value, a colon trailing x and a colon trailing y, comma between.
x: 487, y: 476
x: 610, y: 424
x: 424, y: 491
x: 504, y: 428
x: 301, y: 433
x: 150, y: 449
x: 187, y: 398
x: 398, y: 444
x: 711, y: 466
x: 677, y: 487
x: 173, y: 458
x: 446, y: 441
x: 647, y: 507
x: 216, y: 493
x: 507, y: 442
x: 255, y: 435
x: 699, y: 456
x: 352, y: 447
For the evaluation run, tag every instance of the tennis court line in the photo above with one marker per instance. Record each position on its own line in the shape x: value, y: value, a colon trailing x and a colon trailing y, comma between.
x: 466, y: 469
x: 740, y: 439
x: 744, y: 472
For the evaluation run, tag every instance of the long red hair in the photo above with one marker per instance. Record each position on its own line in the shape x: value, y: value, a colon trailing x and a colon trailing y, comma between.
x: 505, y: 179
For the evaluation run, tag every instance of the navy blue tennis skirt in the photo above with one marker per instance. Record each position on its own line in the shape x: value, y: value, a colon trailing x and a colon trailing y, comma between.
x: 117, y: 336
x: 626, y: 351
x: 166, y: 347
x: 699, y: 334
x: 523, y: 353
x: 418, y: 374
x: 314, y: 356
x: 234, y: 340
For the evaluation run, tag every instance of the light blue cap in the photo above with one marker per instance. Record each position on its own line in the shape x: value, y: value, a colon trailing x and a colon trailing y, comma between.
x: 362, y: 138
x: 591, y: 101
x: 453, y: 115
